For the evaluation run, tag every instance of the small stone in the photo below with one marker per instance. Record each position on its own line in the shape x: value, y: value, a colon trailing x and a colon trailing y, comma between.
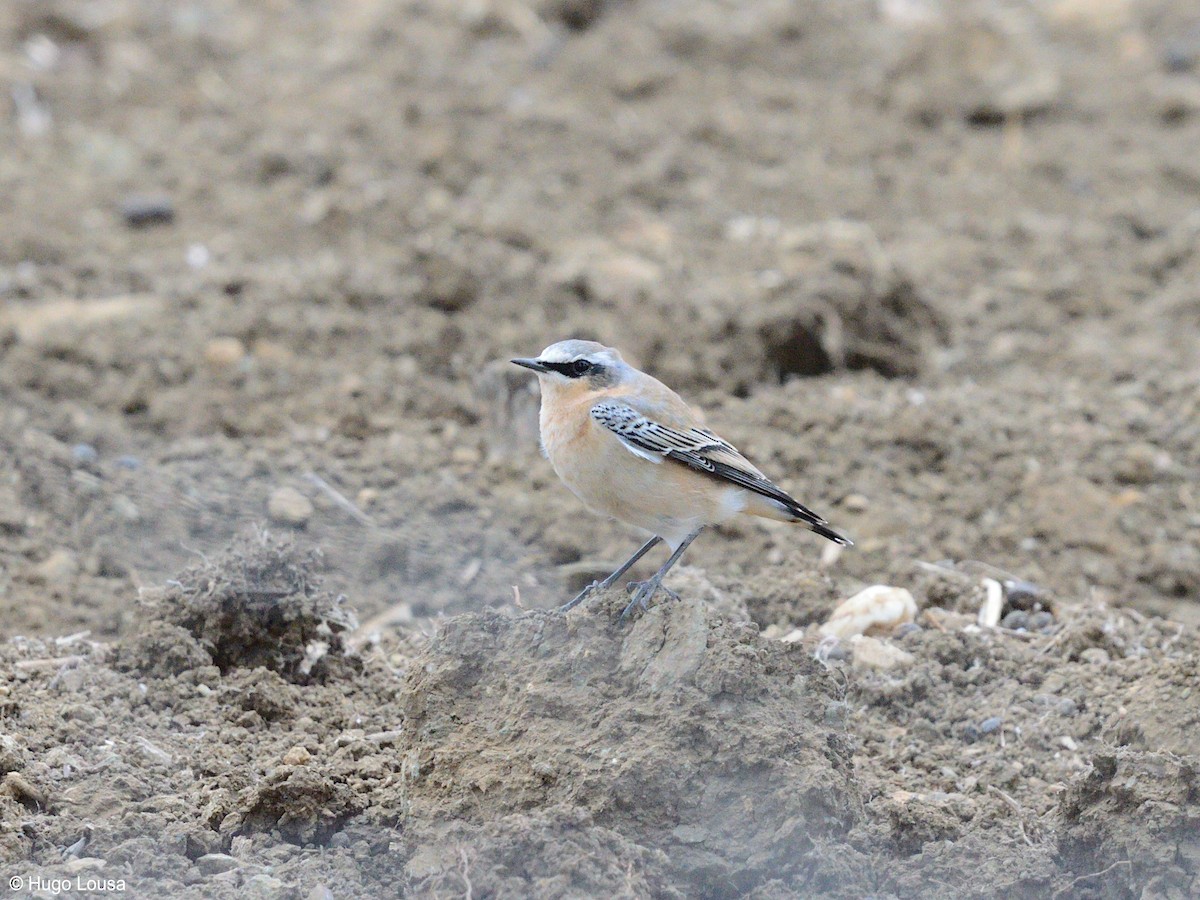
x: 12, y: 757
x: 1096, y: 656
x: 836, y: 653
x: 990, y: 725
x: 856, y: 503
x: 142, y: 211
x: 126, y: 508
x: 1021, y: 594
x: 12, y: 515
x: 1067, y: 707
x: 906, y: 629
x: 224, y: 352
x: 216, y: 863
x: 1142, y: 464
x: 1181, y: 56
x: 57, y: 569
x: 24, y: 791
x: 1017, y: 620
x: 879, y: 608
x: 690, y: 834
x: 1068, y: 743
x: 970, y: 734
x: 129, y: 463
x: 297, y: 756
x: 288, y: 506
x: 264, y: 885
x: 84, y: 455
x: 1041, y: 620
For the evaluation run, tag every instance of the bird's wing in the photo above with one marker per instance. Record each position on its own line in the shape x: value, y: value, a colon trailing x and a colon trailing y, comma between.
x: 697, y: 448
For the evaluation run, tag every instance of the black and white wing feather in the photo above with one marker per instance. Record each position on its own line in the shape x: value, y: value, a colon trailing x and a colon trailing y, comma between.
x: 699, y: 449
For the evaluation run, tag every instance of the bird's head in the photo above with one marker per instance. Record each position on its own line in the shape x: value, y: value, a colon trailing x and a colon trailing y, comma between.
x: 578, y: 366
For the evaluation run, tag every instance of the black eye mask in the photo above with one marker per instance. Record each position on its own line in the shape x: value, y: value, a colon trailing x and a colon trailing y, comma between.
x: 576, y: 368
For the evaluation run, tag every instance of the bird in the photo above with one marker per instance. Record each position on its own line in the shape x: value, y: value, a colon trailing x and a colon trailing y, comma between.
x: 630, y: 448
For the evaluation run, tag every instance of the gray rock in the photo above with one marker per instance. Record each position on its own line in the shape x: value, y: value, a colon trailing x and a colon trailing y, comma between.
x: 216, y: 863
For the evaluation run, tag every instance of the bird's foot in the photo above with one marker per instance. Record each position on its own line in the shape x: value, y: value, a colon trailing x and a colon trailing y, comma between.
x: 642, y: 592
x: 580, y: 597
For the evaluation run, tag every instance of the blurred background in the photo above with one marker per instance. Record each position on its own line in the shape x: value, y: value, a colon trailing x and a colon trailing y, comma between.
x: 933, y: 265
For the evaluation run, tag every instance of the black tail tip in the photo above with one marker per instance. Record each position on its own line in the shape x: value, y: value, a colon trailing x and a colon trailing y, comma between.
x: 832, y: 535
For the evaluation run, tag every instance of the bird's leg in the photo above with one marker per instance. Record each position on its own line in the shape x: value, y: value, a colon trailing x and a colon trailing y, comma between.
x: 648, y: 589
x: 611, y: 579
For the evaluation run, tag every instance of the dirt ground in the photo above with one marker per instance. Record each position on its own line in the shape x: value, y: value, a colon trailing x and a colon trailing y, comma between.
x: 277, y: 549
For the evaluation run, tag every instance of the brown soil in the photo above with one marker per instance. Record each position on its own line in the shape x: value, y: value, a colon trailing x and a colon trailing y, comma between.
x: 276, y: 545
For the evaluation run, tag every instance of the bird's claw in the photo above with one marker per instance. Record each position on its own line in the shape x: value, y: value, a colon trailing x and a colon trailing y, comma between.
x: 579, y: 598
x: 642, y: 592
x: 647, y: 585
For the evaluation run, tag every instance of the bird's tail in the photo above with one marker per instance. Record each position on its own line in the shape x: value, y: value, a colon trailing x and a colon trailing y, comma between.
x: 826, y: 532
x: 793, y: 511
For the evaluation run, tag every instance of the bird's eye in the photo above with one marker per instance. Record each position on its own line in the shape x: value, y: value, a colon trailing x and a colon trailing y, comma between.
x: 580, y: 367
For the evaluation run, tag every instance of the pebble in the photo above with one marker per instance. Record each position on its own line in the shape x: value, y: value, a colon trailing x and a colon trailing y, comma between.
x: 264, y: 885
x: 906, y: 629
x: 690, y: 834
x: 288, y: 506
x: 84, y: 455
x: 1041, y: 620
x: 130, y: 463
x: 12, y: 756
x: 12, y: 516
x: 990, y: 724
x: 224, y: 352
x: 880, y: 607
x: 856, y: 503
x: 1020, y: 593
x: 216, y: 863
x: 836, y: 653
x: 1142, y: 464
x: 1097, y: 656
x: 1067, y: 707
x: 1017, y: 620
x: 970, y: 734
x: 142, y: 211
x: 24, y: 791
x: 297, y: 756
x: 126, y: 508
x: 1182, y: 54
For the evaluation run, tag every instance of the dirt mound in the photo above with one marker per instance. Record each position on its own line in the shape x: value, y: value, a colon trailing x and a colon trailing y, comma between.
x: 257, y: 604
x: 702, y: 745
x: 841, y: 302
x: 1142, y: 810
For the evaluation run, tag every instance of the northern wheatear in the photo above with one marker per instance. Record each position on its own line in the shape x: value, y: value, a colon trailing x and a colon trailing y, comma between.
x: 629, y: 447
